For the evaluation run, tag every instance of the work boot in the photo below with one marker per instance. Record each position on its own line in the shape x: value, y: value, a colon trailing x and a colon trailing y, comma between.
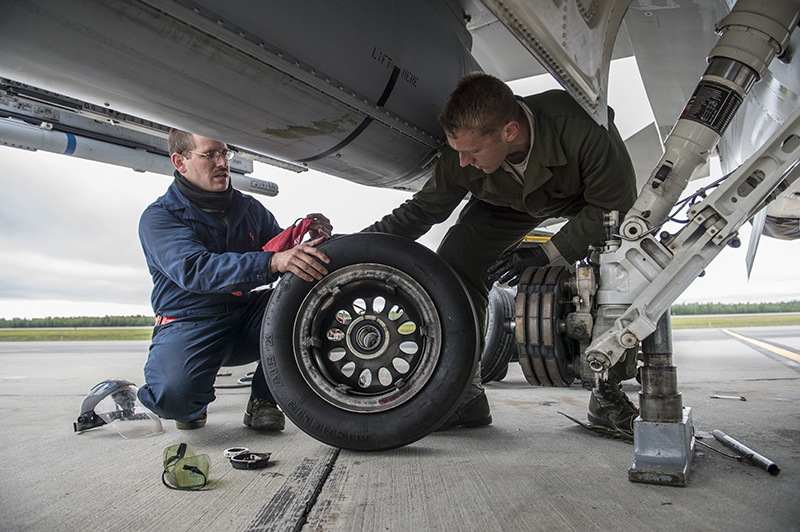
x: 196, y: 423
x: 263, y: 415
x: 610, y: 407
x: 473, y: 414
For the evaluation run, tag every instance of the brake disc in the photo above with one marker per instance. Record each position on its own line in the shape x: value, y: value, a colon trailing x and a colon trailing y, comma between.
x: 546, y: 353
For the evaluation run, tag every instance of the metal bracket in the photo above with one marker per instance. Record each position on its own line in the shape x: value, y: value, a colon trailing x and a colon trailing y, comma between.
x: 657, y: 463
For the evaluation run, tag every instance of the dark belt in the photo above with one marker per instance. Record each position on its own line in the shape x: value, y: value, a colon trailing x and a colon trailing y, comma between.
x: 163, y: 320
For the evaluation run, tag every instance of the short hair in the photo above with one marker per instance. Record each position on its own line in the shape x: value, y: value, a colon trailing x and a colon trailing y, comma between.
x: 180, y: 141
x: 481, y: 102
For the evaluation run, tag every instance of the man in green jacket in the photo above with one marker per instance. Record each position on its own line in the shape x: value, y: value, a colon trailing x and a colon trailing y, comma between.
x: 521, y: 161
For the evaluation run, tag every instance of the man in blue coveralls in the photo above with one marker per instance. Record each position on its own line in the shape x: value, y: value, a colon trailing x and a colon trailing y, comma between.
x: 203, y: 244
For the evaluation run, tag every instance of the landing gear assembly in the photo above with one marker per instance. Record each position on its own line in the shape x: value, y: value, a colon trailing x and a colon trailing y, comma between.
x: 352, y: 370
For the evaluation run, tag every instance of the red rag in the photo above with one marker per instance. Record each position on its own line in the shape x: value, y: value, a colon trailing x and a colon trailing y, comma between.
x: 289, y: 237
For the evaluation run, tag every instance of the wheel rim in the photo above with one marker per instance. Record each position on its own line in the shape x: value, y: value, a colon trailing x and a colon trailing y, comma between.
x: 367, y: 338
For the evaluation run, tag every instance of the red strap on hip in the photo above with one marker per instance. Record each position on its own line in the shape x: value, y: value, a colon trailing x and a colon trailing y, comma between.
x: 163, y: 320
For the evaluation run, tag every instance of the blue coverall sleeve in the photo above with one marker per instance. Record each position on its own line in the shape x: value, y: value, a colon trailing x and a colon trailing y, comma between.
x: 174, y: 249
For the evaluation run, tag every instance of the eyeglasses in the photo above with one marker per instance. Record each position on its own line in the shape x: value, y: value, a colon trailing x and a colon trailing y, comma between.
x: 213, y: 155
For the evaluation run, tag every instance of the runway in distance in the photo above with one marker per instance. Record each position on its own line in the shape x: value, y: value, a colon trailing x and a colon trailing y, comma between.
x: 353, y: 90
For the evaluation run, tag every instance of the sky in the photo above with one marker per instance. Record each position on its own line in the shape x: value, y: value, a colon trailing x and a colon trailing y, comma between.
x: 69, y: 244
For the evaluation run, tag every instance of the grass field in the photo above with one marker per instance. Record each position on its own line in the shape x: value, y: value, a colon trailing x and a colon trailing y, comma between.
x: 735, y: 320
x: 59, y: 335
x: 135, y: 333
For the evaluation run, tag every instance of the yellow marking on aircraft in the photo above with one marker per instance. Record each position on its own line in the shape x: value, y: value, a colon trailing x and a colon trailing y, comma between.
x: 769, y: 347
x: 537, y: 238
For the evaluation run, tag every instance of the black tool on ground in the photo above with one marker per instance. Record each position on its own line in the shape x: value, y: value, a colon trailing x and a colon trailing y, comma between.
x: 601, y: 429
x: 250, y: 460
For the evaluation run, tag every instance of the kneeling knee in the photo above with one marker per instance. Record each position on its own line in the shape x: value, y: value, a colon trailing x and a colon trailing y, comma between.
x: 172, y: 402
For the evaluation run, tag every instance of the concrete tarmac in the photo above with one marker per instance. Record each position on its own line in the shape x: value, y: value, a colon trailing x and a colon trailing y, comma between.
x: 531, y: 470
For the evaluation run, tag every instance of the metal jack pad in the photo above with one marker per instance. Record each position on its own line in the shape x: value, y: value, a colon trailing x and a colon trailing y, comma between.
x: 663, y: 452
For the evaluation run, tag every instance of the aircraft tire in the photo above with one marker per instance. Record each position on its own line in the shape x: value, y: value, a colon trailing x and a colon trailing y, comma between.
x: 500, y: 344
x: 377, y: 354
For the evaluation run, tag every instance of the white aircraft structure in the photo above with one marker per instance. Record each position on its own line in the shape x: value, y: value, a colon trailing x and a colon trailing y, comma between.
x: 378, y: 354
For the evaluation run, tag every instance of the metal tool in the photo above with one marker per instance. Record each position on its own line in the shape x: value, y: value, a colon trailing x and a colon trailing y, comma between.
x: 737, y: 397
x: 748, y: 455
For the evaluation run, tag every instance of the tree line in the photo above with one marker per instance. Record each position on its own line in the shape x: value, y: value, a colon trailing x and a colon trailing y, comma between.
x: 734, y: 308
x: 139, y: 320
x: 81, y: 321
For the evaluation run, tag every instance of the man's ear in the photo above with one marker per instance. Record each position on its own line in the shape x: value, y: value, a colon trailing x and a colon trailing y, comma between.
x: 179, y: 162
x: 511, y: 130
